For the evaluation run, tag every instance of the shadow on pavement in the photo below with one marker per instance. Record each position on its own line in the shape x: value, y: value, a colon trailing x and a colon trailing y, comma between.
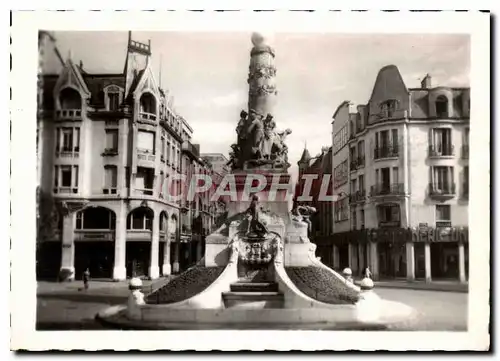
x: 83, y: 297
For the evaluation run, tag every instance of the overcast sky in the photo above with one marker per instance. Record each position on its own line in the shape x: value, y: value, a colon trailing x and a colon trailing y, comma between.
x: 207, y: 74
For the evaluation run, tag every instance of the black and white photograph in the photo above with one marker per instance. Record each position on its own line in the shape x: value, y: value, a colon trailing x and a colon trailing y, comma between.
x: 232, y: 173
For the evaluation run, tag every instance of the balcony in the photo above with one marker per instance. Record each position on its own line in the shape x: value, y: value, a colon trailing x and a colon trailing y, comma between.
x: 394, y: 189
x: 465, y: 151
x: 68, y: 152
x: 68, y: 114
x: 147, y: 118
x: 441, y: 151
x: 145, y: 154
x: 65, y: 190
x: 442, y: 191
x: 144, y: 192
x: 193, y: 150
x: 111, y: 190
x: 110, y: 152
x: 357, y: 197
x: 388, y: 151
x: 94, y: 235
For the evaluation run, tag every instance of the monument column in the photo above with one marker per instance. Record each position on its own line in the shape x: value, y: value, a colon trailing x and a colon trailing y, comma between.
x: 119, y: 269
x: 427, y: 256
x: 68, y: 245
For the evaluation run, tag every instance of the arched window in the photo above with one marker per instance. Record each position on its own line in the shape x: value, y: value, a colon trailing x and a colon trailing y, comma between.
x: 148, y: 106
x: 163, y: 221
x: 70, y: 99
x: 113, y: 94
x: 140, y: 219
x: 442, y: 107
x: 96, y: 218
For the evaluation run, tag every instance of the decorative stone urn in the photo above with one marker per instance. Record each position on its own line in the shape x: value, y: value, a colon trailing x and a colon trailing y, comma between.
x: 135, y: 298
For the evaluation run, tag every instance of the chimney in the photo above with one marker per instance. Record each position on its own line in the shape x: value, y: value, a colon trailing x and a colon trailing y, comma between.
x: 427, y: 82
x: 81, y: 65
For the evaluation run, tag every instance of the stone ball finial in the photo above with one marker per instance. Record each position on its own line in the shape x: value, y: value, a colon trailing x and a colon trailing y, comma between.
x: 135, y: 284
x: 366, y: 284
x: 347, y: 272
x: 259, y: 39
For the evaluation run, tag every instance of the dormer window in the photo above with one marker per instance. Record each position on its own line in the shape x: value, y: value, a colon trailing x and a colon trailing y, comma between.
x: 113, y: 96
x: 442, y: 107
x: 388, y: 108
x: 70, y: 99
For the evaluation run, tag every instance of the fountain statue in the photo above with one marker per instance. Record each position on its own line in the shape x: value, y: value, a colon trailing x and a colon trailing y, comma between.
x: 260, y: 266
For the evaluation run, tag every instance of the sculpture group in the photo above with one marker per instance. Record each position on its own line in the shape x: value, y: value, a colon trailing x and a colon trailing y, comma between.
x: 259, y: 142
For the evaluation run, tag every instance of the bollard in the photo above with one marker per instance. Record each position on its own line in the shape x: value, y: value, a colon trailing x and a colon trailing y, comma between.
x: 135, y: 298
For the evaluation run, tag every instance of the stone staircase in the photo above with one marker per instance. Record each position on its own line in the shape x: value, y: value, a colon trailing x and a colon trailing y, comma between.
x: 253, y: 295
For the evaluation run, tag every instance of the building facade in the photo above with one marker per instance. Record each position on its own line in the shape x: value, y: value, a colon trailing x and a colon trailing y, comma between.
x: 109, y: 143
x: 407, y: 155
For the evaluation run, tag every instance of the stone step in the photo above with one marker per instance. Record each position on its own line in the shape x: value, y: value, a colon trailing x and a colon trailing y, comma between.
x: 253, y: 300
x: 254, y: 287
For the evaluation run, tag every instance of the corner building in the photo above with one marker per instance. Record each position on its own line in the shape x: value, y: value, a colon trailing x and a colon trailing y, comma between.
x: 401, y: 172
x: 108, y: 145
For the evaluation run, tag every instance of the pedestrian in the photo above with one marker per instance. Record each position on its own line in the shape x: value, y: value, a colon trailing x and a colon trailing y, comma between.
x: 86, y: 278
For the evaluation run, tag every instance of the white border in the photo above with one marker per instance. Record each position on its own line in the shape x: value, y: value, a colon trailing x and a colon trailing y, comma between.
x: 23, y: 112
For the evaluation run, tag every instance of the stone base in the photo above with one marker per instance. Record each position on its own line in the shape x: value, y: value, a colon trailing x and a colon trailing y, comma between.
x: 67, y: 270
x: 119, y: 273
x: 166, y: 269
x: 175, y: 267
x: 154, y: 272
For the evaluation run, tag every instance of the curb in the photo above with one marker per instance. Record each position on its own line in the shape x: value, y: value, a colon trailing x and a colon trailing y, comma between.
x: 439, y: 288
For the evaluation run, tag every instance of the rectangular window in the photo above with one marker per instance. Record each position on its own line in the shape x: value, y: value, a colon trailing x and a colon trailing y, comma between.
x: 75, y: 176
x: 361, y: 181
x: 362, y: 218
x: 395, y: 139
x: 442, y: 179
x: 443, y: 215
x: 162, y: 150
x: 66, y: 176
x: 77, y: 140
x: 67, y: 139
x: 110, y: 177
x: 354, y: 220
x: 112, y: 140
x: 146, y: 141
x: 395, y: 175
x: 441, y: 142
x: 168, y: 153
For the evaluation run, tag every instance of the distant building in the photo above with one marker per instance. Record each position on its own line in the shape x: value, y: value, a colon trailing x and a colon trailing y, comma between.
x: 402, y: 159
x: 109, y: 144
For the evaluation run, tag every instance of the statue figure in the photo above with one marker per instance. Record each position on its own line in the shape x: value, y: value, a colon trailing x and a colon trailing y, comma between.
x: 255, y: 132
x: 302, y: 214
x: 240, y: 129
x: 254, y: 223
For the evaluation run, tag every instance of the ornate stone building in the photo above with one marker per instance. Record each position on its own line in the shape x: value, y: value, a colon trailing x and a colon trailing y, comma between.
x: 109, y: 143
x: 404, y: 165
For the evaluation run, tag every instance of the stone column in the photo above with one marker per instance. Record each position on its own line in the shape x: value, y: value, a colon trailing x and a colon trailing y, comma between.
x: 336, y: 258
x: 199, y: 255
x: 68, y: 245
x: 119, y: 270
x: 461, y: 262
x: 350, y: 256
x: 427, y: 255
x: 361, y: 258
x: 410, y: 261
x: 374, y: 260
x: 175, y: 265
x: 154, y: 269
x: 166, y: 267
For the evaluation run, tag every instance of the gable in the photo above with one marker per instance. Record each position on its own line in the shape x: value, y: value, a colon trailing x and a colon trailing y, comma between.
x: 146, y: 82
x: 389, y: 85
x: 71, y: 77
